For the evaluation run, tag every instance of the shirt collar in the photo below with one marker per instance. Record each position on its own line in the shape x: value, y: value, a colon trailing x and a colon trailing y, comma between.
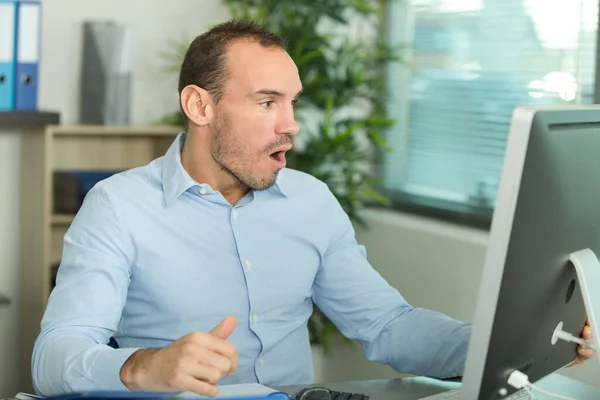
x: 176, y: 180
x: 277, y: 186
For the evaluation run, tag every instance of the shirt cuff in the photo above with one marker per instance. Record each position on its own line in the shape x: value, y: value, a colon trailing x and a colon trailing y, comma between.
x: 107, y: 369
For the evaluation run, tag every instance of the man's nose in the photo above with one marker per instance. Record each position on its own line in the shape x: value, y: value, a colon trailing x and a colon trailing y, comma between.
x: 288, y: 124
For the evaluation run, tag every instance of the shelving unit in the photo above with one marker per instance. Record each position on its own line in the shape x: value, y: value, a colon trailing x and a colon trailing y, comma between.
x: 58, y: 147
x: 62, y: 219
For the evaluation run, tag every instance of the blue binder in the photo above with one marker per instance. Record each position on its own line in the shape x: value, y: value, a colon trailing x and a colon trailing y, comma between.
x: 119, y: 395
x: 8, y: 28
x: 27, y: 54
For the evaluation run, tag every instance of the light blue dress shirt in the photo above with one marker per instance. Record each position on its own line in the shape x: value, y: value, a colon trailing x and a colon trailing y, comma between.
x: 153, y: 255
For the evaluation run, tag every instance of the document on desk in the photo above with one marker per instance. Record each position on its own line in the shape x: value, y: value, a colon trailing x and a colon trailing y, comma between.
x: 236, y: 391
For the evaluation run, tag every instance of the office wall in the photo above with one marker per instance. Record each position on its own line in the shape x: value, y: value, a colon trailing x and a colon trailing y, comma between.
x: 434, y: 265
x: 154, y: 93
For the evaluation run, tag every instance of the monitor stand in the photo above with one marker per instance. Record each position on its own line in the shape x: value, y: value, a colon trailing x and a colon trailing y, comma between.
x: 587, y: 267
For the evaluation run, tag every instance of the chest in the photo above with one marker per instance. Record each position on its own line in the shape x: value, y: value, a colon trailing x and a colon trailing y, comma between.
x: 212, y: 261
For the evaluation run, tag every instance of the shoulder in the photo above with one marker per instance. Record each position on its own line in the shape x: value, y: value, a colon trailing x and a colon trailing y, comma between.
x: 134, y: 179
x: 129, y: 186
x: 307, y: 192
x: 295, y: 182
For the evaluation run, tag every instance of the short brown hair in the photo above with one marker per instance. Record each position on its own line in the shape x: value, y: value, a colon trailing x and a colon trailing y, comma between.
x: 204, y: 62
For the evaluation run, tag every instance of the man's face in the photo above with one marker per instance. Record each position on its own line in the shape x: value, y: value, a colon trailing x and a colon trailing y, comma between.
x: 255, y: 117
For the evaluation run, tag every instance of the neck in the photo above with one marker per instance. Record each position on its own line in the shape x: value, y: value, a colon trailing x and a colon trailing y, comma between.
x: 199, y: 163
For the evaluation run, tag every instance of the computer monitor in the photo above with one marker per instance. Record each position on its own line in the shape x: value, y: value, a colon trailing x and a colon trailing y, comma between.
x: 547, y: 208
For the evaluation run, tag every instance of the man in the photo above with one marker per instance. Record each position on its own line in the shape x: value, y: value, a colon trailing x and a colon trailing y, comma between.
x: 203, y: 264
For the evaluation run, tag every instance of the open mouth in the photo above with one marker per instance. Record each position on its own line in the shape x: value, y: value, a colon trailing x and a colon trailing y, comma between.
x: 278, y: 155
x: 279, y: 158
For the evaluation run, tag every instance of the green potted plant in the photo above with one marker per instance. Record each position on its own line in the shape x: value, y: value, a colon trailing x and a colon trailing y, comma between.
x: 344, y: 90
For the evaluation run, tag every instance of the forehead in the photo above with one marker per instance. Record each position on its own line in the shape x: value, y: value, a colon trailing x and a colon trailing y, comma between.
x: 253, y: 67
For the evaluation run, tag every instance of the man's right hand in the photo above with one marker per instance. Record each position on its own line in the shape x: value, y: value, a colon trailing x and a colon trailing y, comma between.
x: 195, y: 362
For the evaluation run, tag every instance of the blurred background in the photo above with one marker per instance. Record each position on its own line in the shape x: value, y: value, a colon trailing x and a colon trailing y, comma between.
x: 405, y: 115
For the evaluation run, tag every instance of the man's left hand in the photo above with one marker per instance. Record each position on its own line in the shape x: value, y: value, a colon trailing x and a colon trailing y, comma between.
x: 583, y: 353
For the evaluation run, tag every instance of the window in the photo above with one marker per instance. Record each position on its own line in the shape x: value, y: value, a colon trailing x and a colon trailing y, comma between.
x: 469, y: 63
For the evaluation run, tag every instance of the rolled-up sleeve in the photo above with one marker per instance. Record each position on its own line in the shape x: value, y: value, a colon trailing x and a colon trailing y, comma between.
x: 84, y: 309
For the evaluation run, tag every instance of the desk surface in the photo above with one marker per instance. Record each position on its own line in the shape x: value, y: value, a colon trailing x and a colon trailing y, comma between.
x: 384, y: 389
x: 415, y: 388
x: 419, y: 387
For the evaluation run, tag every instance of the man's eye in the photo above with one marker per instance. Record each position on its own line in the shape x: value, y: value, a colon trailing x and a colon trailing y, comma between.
x: 267, y: 104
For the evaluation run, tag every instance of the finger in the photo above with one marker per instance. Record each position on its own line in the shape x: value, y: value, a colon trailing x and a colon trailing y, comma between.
x: 207, y: 373
x: 587, y: 333
x: 201, y: 340
x: 225, y: 328
x: 203, y: 388
x: 222, y: 347
x: 235, y: 361
x: 584, y: 353
x: 219, y: 361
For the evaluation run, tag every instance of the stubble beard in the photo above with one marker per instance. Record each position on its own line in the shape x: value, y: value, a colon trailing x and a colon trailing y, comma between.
x: 229, y: 154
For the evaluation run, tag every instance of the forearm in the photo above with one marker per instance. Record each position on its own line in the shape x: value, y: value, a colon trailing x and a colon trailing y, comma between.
x: 68, y: 361
x: 422, y: 342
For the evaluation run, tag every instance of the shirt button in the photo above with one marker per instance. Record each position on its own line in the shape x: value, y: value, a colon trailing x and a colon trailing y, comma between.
x: 261, y: 361
x: 248, y: 264
x: 203, y: 191
x: 234, y: 214
x: 255, y: 318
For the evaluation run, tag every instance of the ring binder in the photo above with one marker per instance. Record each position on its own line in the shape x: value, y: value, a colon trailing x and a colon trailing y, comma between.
x: 8, y: 19
x: 27, y: 54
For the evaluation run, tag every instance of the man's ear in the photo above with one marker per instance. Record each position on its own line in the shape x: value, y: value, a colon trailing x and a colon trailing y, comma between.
x: 197, y: 104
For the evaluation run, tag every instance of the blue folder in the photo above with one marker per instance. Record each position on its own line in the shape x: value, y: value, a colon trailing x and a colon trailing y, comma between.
x: 29, y: 17
x: 8, y: 42
x: 149, y: 395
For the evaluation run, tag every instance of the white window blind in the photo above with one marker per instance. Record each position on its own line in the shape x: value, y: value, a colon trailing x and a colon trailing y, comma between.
x: 471, y: 62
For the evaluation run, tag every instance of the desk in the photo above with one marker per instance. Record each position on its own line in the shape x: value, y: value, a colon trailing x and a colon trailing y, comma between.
x: 414, y: 388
